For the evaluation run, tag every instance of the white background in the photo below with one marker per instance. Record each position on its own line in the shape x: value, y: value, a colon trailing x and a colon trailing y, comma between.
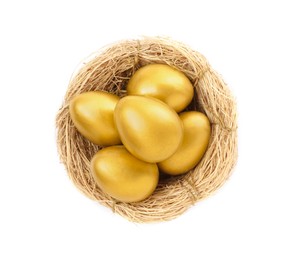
x: 42, y: 214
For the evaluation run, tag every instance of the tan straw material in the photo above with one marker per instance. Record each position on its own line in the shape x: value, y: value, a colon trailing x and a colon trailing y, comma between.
x: 109, y: 70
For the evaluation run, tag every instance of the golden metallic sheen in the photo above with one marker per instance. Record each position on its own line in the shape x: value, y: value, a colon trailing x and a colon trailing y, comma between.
x: 93, y: 115
x: 163, y: 82
x: 122, y: 176
x: 149, y: 129
x: 196, y: 137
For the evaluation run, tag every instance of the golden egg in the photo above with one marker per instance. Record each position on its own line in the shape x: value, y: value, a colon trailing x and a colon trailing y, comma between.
x: 163, y: 82
x: 195, y: 141
x: 122, y: 176
x: 93, y: 116
x: 149, y: 129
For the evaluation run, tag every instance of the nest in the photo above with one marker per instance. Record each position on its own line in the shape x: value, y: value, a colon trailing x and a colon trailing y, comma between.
x: 109, y: 70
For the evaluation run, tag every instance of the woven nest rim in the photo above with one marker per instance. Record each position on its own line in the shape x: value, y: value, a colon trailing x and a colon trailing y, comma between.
x: 108, y: 70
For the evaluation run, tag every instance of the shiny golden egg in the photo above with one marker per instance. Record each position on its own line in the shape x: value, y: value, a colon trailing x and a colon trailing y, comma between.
x: 162, y: 82
x: 122, y: 176
x: 93, y: 116
x: 196, y: 138
x: 150, y: 130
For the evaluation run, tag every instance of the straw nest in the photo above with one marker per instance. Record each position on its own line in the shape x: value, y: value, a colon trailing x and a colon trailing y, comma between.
x: 109, y: 70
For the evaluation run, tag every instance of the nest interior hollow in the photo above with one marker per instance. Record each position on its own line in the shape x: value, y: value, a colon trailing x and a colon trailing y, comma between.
x: 109, y: 70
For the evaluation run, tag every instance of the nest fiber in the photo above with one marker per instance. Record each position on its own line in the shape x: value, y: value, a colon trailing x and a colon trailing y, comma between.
x: 109, y: 70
